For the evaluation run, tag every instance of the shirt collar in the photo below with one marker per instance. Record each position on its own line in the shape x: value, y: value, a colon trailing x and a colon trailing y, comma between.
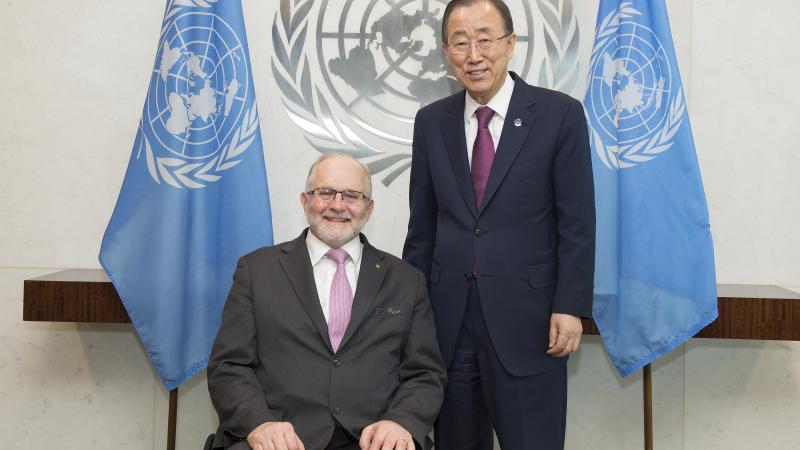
x: 499, y: 103
x: 317, y: 249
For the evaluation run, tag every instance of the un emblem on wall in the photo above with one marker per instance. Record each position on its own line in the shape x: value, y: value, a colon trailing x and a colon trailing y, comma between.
x: 354, y: 73
x: 634, y: 110
x: 199, y: 116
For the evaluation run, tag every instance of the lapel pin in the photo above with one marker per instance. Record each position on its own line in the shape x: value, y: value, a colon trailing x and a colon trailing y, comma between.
x: 517, y: 122
x: 393, y: 311
x: 377, y: 266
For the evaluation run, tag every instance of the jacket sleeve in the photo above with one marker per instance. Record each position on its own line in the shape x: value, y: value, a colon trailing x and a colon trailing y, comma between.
x: 423, y: 208
x: 574, y: 200
x: 416, y: 402
x: 232, y: 384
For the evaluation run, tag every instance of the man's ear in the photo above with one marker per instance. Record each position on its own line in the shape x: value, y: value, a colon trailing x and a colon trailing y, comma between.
x: 370, y: 207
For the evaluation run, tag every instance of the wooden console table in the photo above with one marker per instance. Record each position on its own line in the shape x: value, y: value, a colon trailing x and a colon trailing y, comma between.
x: 758, y: 312
x: 746, y: 311
x: 74, y: 295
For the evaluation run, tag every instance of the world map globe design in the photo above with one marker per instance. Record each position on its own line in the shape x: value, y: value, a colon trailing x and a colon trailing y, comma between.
x: 397, y: 58
x: 354, y: 73
x: 630, y: 86
x: 198, y: 87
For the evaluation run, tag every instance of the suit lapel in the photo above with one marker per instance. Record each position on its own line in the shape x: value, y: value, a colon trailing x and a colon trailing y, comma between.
x: 455, y: 140
x: 512, y: 137
x: 370, y: 278
x: 296, y: 265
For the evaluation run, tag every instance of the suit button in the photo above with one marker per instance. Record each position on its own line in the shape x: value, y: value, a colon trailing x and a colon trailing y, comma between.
x: 336, y: 410
x: 479, y: 232
x: 337, y: 363
x: 467, y: 276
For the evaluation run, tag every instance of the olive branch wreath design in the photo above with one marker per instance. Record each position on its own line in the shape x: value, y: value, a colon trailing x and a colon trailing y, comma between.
x: 179, y: 172
x: 626, y: 156
x: 308, y: 108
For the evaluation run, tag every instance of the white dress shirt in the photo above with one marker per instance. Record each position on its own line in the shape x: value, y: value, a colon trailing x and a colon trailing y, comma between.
x: 499, y: 104
x: 325, y: 268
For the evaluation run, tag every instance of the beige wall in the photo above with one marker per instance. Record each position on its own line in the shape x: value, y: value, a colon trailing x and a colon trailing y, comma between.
x: 74, y: 78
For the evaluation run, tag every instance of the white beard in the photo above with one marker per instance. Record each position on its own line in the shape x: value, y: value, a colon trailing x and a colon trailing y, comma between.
x: 334, y: 239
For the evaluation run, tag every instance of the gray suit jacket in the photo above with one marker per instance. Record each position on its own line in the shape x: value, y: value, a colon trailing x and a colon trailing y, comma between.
x: 272, y: 358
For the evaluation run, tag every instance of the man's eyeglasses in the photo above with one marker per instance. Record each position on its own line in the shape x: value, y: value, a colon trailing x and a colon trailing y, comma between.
x: 328, y: 194
x: 483, y: 45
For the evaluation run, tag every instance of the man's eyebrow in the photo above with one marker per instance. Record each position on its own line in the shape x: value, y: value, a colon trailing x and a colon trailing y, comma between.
x: 464, y: 33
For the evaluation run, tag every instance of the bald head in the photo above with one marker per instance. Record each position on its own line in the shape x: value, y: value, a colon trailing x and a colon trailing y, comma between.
x: 347, y: 160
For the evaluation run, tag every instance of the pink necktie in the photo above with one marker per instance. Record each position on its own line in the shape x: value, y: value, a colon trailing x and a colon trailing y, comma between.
x: 482, y: 153
x: 341, y: 300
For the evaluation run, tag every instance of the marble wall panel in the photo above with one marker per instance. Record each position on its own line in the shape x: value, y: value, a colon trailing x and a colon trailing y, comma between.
x: 742, y: 395
x: 69, y: 385
x: 286, y: 152
x: 601, y: 406
x: 680, y: 21
x: 75, y: 75
x: 668, y: 384
x: 606, y: 411
x: 196, y: 416
x: 745, y: 60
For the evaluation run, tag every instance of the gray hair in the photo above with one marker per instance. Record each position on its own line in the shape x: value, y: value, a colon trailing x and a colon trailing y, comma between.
x: 325, y: 156
x: 499, y: 5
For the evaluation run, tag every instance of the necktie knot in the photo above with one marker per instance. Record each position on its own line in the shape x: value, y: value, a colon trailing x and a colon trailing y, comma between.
x: 339, y: 255
x: 484, y: 115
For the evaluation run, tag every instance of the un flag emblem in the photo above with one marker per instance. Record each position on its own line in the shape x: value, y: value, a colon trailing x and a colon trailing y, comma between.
x: 200, y: 113
x: 633, y: 105
x: 353, y: 74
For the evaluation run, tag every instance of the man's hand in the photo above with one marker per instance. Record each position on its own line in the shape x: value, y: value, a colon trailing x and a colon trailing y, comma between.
x: 274, y: 436
x: 565, y: 334
x: 386, y: 435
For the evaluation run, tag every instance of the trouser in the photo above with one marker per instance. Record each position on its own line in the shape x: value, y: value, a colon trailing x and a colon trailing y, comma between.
x: 342, y: 440
x: 527, y: 412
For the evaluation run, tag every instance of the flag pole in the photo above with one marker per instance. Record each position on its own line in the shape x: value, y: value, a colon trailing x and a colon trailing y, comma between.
x: 172, y: 418
x: 647, y: 386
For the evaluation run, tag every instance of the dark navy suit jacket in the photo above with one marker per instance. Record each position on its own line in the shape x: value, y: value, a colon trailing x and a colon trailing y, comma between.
x: 533, y: 238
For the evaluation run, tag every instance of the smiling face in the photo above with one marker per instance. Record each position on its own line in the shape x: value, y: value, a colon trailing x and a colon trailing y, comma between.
x: 336, y: 222
x: 480, y: 73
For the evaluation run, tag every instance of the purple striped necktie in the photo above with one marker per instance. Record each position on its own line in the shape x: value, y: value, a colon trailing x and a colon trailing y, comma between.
x: 341, y: 299
x: 482, y: 153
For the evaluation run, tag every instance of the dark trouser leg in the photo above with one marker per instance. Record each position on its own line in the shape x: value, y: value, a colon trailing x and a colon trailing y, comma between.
x: 528, y: 413
x: 342, y: 440
x: 463, y: 422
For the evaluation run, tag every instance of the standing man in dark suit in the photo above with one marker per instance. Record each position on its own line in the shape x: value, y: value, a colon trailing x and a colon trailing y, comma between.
x: 506, y: 238
x: 300, y: 362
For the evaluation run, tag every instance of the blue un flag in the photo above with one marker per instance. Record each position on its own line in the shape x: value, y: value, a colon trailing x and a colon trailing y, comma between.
x: 194, y: 197
x: 654, y: 279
